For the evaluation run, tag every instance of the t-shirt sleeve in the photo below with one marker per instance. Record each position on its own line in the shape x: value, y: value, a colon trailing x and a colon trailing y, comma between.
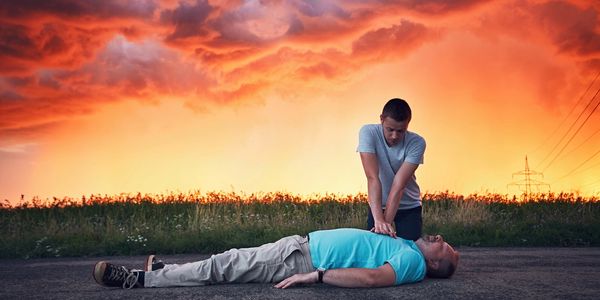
x: 415, y: 151
x: 408, y: 266
x: 366, y: 140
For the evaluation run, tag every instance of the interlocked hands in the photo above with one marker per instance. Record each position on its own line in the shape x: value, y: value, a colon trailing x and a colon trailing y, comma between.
x: 384, y: 228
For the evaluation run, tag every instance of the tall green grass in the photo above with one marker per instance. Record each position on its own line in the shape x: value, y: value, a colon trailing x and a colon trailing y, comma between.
x: 206, y: 223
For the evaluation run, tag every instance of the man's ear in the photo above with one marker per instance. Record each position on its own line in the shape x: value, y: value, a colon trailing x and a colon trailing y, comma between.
x: 433, y: 264
x: 381, y: 118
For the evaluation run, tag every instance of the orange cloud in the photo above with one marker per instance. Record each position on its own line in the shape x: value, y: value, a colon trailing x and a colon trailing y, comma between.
x: 65, y: 58
x: 571, y: 28
x: 245, y: 92
x: 321, y: 69
x: 390, y: 42
x: 435, y: 7
x: 26, y: 49
x: 288, y: 64
x: 122, y: 70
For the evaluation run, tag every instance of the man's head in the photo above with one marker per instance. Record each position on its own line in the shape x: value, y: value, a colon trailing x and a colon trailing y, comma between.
x: 396, y: 109
x: 395, y: 117
x: 440, y: 257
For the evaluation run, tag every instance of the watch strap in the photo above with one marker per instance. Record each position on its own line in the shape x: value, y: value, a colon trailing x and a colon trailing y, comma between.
x: 320, y: 272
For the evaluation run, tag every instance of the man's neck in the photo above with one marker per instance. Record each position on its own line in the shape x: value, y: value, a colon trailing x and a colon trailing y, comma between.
x: 421, y: 244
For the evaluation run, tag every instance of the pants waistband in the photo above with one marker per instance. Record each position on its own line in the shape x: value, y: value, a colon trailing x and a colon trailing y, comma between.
x: 305, y: 249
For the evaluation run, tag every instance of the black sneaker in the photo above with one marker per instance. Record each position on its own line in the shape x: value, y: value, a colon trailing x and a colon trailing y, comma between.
x: 110, y: 275
x: 152, y: 264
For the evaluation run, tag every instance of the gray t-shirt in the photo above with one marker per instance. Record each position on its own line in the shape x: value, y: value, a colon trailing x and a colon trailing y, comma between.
x: 411, y: 149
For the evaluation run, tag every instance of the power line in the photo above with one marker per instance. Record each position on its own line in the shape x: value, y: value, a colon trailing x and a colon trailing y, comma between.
x: 565, y: 119
x: 580, y: 165
x: 575, y: 134
x: 595, y: 186
x: 589, y: 168
x: 593, y: 183
x: 582, y: 143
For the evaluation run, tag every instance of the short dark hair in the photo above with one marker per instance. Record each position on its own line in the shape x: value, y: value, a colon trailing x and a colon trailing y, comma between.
x: 396, y: 109
x: 446, y: 268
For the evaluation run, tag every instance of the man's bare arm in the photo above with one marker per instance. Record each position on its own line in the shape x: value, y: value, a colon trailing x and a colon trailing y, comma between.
x: 371, y: 167
x: 405, y: 172
x: 351, y: 277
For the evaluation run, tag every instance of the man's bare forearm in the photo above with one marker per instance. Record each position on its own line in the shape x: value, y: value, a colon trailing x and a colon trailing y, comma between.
x: 374, y: 197
x: 354, y: 278
x: 346, y: 277
x: 397, y: 190
x: 393, y: 201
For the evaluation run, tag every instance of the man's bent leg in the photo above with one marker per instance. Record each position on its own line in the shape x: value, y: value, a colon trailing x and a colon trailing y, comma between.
x: 409, y: 223
x: 370, y: 220
x: 268, y: 263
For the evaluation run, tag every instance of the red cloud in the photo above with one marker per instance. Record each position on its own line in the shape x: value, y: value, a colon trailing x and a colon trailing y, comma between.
x: 24, y: 49
x: 77, y: 9
x: 573, y: 29
x: 437, y: 7
x: 63, y: 33
x: 390, y: 42
x: 382, y: 44
x: 321, y: 8
x: 67, y: 33
x: 30, y: 118
x: 187, y: 20
x: 61, y: 58
x: 121, y: 70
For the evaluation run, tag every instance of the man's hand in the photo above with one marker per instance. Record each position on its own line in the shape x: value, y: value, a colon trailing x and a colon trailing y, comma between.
x: 384, y: 228
x: 311, y: 277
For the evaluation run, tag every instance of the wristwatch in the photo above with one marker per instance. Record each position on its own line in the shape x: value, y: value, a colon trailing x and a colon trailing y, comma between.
x: 320, y: 272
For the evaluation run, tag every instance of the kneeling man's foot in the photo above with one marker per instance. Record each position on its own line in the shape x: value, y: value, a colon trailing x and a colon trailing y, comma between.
x: 108, y: 274
x: 152, y: 264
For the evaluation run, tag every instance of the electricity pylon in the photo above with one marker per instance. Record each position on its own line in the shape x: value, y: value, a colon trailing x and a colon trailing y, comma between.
x: 527, y: 184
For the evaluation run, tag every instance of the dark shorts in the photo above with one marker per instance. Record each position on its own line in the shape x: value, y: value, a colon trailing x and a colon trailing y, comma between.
x: 409, y: 223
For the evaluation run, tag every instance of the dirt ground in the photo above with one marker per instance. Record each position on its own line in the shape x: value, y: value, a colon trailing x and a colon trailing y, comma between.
x: 483, y: 273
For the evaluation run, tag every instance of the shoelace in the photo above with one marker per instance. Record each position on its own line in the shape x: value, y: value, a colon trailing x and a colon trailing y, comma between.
x: 118, y: 273
x: 131, y: 280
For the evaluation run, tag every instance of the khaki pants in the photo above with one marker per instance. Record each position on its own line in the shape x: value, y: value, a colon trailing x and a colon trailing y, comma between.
x: 271, y: 262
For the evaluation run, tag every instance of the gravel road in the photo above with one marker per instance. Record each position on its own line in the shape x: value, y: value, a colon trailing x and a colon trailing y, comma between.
x: 483, y: 273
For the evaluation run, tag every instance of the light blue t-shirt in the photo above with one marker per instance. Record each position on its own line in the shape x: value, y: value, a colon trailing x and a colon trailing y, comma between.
x: 357, y: 248
x: 411, y: 150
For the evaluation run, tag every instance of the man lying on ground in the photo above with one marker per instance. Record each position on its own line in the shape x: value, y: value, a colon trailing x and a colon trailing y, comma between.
x: 342, y: 257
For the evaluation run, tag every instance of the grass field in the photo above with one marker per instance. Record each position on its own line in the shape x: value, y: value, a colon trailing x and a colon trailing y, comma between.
x: 205, y: 223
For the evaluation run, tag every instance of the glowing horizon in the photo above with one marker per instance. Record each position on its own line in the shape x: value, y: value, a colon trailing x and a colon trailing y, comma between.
x: 155, y: 96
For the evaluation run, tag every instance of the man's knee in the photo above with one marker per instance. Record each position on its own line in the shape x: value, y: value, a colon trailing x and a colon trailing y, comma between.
x: 410, y: 235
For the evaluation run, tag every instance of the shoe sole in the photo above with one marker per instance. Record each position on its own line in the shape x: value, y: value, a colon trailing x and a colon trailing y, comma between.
x: 148, y: 263
x: 99, y: 272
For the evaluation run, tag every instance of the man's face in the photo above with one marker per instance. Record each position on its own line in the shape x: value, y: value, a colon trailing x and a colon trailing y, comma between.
x: 437, y: 249
x: 393, y: 131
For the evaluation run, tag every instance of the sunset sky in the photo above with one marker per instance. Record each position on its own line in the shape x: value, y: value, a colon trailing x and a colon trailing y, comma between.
x: 151, y: 96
